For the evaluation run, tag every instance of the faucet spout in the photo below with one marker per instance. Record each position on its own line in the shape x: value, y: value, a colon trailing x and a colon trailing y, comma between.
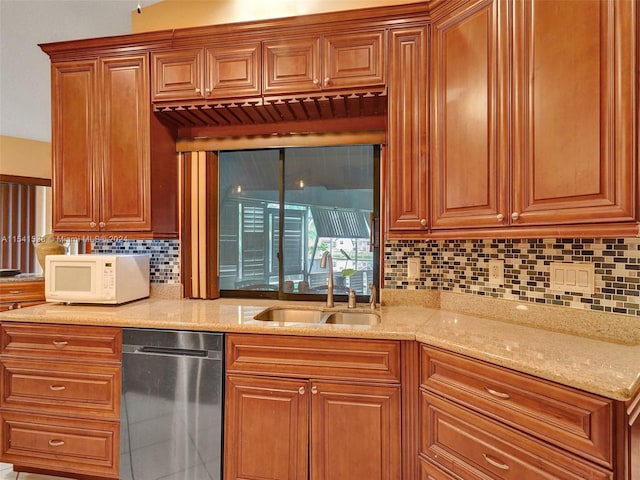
x: 323, y: 264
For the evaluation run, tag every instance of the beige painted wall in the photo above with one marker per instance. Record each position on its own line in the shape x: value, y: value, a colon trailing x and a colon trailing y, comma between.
x: 24, y: 157
x: 170, y: 14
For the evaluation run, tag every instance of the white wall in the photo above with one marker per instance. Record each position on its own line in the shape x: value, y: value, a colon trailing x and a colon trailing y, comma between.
x: 25, y: 98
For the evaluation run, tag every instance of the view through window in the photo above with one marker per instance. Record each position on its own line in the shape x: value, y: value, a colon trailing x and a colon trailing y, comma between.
x: 281, y: 209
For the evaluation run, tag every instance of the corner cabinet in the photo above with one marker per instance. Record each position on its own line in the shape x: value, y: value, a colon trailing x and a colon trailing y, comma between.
x: 482, y: 421
x: 547, y: 139
x: 113, y: 161
x: 312, y: 408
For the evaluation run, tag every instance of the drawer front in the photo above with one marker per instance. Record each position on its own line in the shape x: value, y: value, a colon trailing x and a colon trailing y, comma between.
x: 55, y: 444
x: 474, y: 447
x: 61, y: 388
x: 71, y: 342
x: 431, y: 472
x: 19, y: 291
x: 577, y: 421
x: 303, y: 357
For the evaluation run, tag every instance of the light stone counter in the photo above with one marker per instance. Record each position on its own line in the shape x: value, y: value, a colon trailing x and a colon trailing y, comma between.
x: 610, y: 367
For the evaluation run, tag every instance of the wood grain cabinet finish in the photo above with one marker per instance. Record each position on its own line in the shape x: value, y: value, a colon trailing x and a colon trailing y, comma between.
x: 20, y: 294
x: 214, y: 72
x: 547, y: 139
x: 292, y: 413
x: 335, y: 61
x: 104, y: 137
x: 407, y: 147
x: 483, y: 421
x: 60, y: 402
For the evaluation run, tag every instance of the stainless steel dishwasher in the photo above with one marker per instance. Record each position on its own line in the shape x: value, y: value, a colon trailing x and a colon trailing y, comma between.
x: 171, y: 409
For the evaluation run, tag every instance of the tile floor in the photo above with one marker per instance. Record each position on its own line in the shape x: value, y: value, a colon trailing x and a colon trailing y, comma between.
x: 7, y: 473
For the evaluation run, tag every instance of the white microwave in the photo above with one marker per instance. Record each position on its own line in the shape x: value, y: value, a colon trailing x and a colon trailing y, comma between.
x: 96, y: 278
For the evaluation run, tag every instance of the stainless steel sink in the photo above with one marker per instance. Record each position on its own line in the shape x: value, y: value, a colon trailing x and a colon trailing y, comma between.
x: 353, y: 318
x: 292, y: 315
x: 317, y: 315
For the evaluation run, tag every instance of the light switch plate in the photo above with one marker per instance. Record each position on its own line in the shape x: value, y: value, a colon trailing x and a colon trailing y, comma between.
x: 572, y: 277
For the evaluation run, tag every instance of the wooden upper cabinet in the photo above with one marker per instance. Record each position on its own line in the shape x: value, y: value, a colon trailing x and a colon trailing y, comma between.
x: 338, y: 61
x: 547, y: 139
x: 104, y: 137
x: 74, y: 124
x: 125, y: 179
x: 469, y: 117
x: 406, y: 153
x: 575, y: 83
x: 177, y: 74
x: 214, y: 72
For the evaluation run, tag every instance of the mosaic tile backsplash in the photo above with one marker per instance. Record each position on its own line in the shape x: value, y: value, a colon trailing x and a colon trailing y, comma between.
x: 461, y: 266
x: 165, y: 256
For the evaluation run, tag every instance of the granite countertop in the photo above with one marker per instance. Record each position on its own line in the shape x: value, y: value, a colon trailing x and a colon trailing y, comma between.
x: 600, y: 356
x: 23, y: 277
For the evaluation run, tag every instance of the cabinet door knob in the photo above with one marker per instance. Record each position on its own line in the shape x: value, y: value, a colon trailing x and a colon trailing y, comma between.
x: 500, y: 217
x: 56, y: 443
x: 423, y: 222
x: 314, y: 390
x: 207, y: 91
x: 495, y: 463
x: 515, y: 216
x: 327, y: 80
x: 301, y: 390
x: 102, y: 224
x: 198, y: 90
x: 92, y: 224
x: 316, y: 81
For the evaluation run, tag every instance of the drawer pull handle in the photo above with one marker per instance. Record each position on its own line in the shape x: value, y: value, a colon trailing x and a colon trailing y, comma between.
x: 495, y: 393
x: 60, y: 343
x: 57, y: 388
x: 495, y: 463
x: 15, y: 292
x: 56, y: 443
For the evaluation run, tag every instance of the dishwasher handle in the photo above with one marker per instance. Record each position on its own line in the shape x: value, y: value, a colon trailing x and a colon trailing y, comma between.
x: 170, y: 351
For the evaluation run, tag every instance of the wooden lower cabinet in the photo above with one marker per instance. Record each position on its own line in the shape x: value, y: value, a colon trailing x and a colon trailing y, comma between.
x: 60, y: 401
x: 313, y: 426
x: 481, y: 421
x: 21, y: 294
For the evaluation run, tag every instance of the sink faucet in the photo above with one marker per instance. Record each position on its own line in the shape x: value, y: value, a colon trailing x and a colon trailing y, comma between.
x: 323, y: 264
x: 372, y: 297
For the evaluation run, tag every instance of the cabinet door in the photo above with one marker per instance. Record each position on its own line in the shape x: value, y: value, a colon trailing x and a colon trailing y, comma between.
x: 75, y: 151
x: 291, y: 65
x: 176, y: 75
x: 233, y: 71
x: 574, y: 100
x: 354, y: 60
x: 469, y: 117
x: 355, y: 432
x: 406, y: 154
x: 266, y: 428
x: 125, y: 173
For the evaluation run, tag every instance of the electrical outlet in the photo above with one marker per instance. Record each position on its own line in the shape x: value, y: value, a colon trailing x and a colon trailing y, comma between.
x: 413, y: 268
x: 496, y: 272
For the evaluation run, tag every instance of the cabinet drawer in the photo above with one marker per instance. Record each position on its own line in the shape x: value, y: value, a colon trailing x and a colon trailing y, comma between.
x: 430, y: 472
x: 61, y: 342
x: 56, y: 444
x: 21, y: 291
x: 372, y: 360
x: 577, y: 421
x: 61, y: 388
x: 474, y: 447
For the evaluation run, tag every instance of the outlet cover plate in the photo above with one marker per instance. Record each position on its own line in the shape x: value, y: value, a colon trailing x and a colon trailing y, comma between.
x: 413, y: 268
x: 496, y: 272
x: 572, y: 277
